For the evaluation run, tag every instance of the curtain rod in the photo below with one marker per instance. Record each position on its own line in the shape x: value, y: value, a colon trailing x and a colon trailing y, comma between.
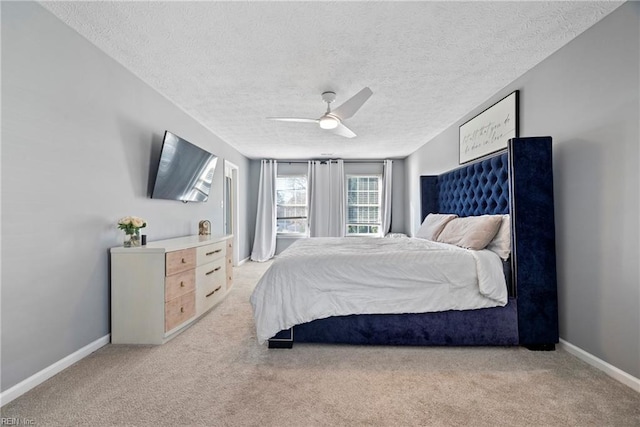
x: 330, y: 160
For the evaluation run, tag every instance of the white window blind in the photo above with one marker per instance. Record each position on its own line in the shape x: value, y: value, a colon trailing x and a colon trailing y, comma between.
x: 291, y: 204
x: 363, y: 204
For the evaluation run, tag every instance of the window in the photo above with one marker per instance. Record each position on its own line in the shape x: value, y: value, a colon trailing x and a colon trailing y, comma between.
x: 291, y: 204
x: 363, y: 204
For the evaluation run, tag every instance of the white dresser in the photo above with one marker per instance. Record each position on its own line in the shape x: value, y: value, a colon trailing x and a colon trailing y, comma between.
x: 159, y: 289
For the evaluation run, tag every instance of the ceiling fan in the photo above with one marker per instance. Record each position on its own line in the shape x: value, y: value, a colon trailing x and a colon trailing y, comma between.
x: 332, y: 120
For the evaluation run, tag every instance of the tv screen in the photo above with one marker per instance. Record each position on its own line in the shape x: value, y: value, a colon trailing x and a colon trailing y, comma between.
x: 185, y: 171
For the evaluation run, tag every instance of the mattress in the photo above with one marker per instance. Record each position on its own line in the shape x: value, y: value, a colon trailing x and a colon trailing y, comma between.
x: 317, y: 278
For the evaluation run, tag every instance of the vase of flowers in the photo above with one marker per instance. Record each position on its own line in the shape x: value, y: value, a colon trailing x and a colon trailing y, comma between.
x: 131, y: 226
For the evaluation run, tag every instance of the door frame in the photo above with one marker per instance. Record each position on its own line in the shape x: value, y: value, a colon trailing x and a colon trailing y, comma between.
x: 232, y: 171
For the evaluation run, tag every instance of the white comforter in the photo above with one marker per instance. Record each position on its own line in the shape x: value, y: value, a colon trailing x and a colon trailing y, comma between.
x: 322, y: 277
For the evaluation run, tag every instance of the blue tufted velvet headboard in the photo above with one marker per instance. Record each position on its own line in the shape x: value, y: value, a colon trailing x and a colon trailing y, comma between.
x: 476, y: 189
x: 519, y: 182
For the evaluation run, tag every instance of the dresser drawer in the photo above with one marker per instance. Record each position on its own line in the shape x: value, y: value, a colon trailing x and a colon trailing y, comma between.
x: 211, y: 273
x: 179, y: 284
x: 179, y: 310
x: 210, y: 253
x: 229, y: 247
x: 178, y: 261
x: 229, y: 272
x: 208, y: 294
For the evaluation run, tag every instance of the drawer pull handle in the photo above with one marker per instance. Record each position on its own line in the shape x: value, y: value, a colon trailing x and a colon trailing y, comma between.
x: 213, y: 291
x: 213, y: 271
x: 181, y: 309
x: 214, y: 252
x: 183, y: 261
x: 182, y: 284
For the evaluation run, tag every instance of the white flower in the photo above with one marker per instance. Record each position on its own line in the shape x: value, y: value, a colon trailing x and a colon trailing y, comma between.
x: 125, y: 221
x: 137, y: 222
x: 131, y: 224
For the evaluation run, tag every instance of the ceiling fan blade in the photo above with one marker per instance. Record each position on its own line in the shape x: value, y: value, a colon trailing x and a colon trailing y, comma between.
x: 353, y: 104
x: 293, y: 119
x: 342, y: 130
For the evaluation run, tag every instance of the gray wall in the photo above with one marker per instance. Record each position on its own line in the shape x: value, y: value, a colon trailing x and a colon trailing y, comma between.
x: 586, y: 96
x: 80, y: 135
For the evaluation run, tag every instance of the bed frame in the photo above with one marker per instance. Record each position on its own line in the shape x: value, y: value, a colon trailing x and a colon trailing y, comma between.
x: 518, y: 181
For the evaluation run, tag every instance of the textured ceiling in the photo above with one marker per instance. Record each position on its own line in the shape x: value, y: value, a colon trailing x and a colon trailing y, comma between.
x: 231, y: 64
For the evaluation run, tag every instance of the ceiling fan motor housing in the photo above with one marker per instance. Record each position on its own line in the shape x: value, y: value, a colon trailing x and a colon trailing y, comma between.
x: 328, y: 97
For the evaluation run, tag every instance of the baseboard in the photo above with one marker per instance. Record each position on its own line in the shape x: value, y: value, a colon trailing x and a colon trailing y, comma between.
x: 612, y: 371
x: 62, y: 364
x: 243, y: 261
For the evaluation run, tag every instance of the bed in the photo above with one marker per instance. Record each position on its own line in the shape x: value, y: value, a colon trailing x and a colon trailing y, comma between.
x: 517, y: 182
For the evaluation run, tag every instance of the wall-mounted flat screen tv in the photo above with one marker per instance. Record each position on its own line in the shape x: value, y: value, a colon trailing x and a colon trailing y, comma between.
x: 185, y: 171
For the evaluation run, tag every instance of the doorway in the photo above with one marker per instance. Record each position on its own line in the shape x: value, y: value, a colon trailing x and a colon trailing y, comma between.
x: 231, y: 211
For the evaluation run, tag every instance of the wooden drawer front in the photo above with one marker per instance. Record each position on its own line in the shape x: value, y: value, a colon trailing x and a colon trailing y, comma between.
x: 179, y: 310
x: 179, y: 261
x: 208, y: 294
x: 210, y: 253
x: 179, y: 284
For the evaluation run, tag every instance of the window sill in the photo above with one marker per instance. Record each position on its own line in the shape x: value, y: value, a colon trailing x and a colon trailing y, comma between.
x: 291, y: 236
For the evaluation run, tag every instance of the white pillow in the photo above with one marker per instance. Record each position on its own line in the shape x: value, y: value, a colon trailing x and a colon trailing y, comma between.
x: 501, y: 244
x: 433, y: 225
x: 471, y: 232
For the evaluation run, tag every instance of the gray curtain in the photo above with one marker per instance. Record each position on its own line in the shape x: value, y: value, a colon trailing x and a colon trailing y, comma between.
x: 327, y: 212
x: 385, y: 213
x: 264, y: 243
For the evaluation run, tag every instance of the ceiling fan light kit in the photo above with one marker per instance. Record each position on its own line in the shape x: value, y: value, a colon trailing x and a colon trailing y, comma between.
x: 328, y: 122
x: 333, y: 120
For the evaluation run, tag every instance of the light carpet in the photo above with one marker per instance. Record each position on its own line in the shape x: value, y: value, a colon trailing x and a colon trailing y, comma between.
x: 216, y: 374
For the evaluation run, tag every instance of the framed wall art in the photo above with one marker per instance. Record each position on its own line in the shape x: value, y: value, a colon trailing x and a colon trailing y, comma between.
x: 490, y: 130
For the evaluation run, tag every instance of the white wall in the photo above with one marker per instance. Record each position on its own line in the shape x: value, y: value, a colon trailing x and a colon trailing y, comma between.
x: 80, y: 135
x: 586, y: 96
